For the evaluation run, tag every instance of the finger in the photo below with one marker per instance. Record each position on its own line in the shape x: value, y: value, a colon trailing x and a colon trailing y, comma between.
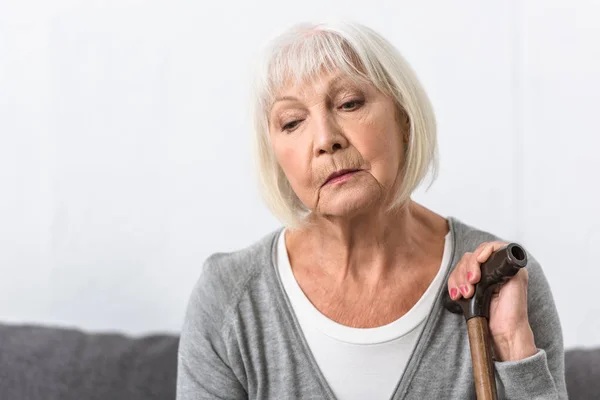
x: 458, y: 283
x: 470, y: 269
x: 454, y: 281
x: 453, y: 287
x: 485, y: 253
x: 473, y: 269
x: 488, y: 249
x: 480, y: 248
x: 473, y: 272
x: 454, y: 293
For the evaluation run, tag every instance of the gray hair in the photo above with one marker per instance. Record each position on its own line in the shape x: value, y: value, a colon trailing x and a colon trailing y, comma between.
x: 302, y: 53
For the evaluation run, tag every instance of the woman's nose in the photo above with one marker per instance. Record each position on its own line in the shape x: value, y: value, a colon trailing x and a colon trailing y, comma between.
x: 329, y: 139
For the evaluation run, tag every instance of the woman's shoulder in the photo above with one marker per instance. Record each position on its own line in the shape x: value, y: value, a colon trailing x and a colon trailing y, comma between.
x: 224, y: 275
x: 235, y: 266
x: 469, y: 237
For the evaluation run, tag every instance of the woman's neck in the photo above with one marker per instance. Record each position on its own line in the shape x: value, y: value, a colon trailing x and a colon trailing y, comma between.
x: 370, y: 247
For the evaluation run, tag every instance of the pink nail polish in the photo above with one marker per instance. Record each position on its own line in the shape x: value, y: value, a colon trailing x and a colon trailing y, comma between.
x: 469, y: 276
x: 453, y: 293
x: 463, y: 289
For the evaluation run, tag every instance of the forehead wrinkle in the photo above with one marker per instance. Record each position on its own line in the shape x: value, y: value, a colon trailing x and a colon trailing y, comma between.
x: 333, y: 86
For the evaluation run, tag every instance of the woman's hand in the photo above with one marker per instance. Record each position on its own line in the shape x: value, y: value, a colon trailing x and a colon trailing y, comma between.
x: 510, y: 331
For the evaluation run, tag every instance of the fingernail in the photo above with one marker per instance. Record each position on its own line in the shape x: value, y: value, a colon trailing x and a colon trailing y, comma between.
x: 469, y: 276
x: 463, y: 289
x: 453, y: 293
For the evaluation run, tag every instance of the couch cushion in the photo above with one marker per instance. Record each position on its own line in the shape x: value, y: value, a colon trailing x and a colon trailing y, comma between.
x: 38, y: 362
x: 49, y: 363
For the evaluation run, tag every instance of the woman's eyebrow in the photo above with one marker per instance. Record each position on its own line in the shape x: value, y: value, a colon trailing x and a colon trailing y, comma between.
x: 334, y: 85
x: 283, y: 98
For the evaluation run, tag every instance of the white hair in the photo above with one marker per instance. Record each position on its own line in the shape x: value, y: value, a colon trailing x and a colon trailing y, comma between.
x: 301, y: 54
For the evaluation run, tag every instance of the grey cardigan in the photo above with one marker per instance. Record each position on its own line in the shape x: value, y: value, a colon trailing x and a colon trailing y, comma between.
x: 241, y: 339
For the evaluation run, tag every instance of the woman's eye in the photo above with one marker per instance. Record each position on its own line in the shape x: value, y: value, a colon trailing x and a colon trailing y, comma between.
x: 290, y: 125
x: 351, y: 105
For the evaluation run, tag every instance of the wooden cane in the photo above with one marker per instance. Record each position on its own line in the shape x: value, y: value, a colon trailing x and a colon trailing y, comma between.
x: 481, y: 357
x: 502, y: 265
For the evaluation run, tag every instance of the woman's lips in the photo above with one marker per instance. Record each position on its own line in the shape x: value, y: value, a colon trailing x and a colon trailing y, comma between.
x: 341, y: 176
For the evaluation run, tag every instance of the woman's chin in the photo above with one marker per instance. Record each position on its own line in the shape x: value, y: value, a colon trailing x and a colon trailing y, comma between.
x: 348, y: 206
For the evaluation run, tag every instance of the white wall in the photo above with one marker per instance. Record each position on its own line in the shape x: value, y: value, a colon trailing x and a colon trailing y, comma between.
x: 124, y: 157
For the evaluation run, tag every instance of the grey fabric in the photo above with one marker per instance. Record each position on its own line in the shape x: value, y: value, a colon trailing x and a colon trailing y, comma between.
x: 583, y: 373
x: 42, y: 363
x: 242, y: 340
x: 31, y: 370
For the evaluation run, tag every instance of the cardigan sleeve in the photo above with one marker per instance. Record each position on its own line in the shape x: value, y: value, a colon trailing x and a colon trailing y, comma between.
x: 542, y: 375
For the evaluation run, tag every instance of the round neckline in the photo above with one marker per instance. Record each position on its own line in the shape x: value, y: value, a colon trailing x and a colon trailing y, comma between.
x: 359, y: 336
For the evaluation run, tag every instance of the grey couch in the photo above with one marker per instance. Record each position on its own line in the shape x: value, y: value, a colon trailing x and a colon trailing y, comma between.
x: 45, y: 363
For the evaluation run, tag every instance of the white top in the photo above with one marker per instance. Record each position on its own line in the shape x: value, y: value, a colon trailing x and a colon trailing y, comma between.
x: 359, y: 363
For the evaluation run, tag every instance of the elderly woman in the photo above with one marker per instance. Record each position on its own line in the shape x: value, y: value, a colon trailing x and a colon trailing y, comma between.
x: 345, y: 301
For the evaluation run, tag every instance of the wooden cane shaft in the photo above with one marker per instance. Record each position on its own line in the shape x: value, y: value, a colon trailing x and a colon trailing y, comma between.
x: 481, y: 356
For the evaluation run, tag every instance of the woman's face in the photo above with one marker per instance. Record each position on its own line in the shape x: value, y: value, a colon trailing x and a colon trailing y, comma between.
x: 333, y: 126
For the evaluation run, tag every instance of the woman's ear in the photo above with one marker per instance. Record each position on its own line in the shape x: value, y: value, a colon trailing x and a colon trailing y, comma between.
x: 405, y: 126
x: 404, y: 121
